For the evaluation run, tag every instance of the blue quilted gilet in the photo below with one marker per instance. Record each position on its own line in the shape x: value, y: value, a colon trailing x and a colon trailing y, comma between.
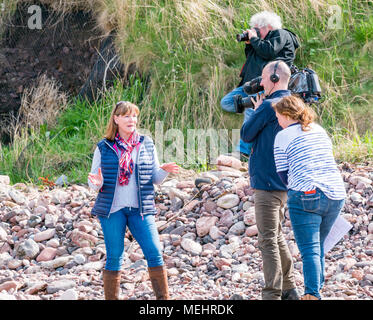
x: 143, y: 173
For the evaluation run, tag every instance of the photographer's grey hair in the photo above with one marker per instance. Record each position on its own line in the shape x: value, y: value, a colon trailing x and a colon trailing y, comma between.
x: 266, y: 18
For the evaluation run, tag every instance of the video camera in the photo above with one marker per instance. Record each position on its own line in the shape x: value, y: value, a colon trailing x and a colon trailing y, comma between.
x: 304, y: 83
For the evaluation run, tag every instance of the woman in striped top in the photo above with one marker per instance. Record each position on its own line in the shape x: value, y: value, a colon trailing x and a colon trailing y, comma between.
x: 304, y: 161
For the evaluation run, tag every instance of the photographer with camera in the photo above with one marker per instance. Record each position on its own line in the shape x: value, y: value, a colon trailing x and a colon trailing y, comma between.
x: 265, y: 41
x: 270, y: 192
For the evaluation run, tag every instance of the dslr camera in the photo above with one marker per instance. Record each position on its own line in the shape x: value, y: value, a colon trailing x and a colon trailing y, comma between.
x: 245, y: 36
x: 250, y: 88
x: 303, y: 83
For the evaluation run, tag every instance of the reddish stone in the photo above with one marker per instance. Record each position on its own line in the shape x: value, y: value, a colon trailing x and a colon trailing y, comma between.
x: 134, y: 256
x: 8, y: 285
x: 16, y: 228
x: 36, y: 288
x: 44, y: 235
x: 47, y: 254
x: 21, y: 233
x: 252, y: 231
x: 82, y: 239
x: 96, y: 257
x: 5, y: 248
x: 357, y: 274
x: 220, y: 262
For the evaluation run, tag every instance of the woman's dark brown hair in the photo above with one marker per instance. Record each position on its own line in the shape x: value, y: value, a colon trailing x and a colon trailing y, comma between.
x: 296, y: 109
x: 120, y: 109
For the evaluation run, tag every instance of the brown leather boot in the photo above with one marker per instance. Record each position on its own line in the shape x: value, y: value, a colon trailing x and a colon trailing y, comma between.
x: 111, y: 284
x: 158, y: 278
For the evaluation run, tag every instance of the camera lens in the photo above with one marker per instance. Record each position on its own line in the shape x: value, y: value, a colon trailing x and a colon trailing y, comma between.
x: 253, y: 86
x: 242, y: 37
x: 237, y: 99
x: 240, y: 104
x: 247, y: 103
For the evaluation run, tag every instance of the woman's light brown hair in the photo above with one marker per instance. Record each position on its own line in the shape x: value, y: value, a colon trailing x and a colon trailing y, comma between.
x: 120, y: 109
x: 296, y: 109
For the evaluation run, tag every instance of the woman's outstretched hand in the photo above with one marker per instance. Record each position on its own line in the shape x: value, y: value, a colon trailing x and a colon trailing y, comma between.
x: 171, y: 167
x: 96, y: 179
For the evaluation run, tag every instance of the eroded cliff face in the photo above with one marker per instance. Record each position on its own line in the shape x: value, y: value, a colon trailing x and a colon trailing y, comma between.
x: 64, y: 48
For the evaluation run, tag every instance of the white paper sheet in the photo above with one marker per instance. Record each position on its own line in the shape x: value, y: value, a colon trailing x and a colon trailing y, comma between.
x: 340, y: 227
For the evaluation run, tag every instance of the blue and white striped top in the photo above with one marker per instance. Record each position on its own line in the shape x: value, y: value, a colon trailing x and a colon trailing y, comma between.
x: 308, y: 158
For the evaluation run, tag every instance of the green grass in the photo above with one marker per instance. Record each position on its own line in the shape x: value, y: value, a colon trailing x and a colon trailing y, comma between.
x: 188, y: 50
x: 68, y: 147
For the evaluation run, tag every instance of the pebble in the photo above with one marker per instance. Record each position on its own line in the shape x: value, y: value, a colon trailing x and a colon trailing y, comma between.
x: 44, y: 235
x: 17, y: 196
x: 249, y: 217
x: 3, y: 234
x: 47, y: 254
x: 58, y: 285
x: 228, y: 201
x: 238, y: 228
x: 70, y: 294
x: 252, y: 231
x: 204, y: 224
x: 357, y: 274
x: 215, y: 233
x: 226, y: 218
x: 53, y: 243
x: 8, y: 285
x: 172, y: 272
x: 240, y: 268
x: 370, y: 227
x: 55, y: 263
x: 27, y: 249
x: 191, y: 246
x: 14, y: 264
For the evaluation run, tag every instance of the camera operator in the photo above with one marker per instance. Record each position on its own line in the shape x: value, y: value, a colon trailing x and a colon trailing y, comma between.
x: 266, y: 41
x: 270, y: 192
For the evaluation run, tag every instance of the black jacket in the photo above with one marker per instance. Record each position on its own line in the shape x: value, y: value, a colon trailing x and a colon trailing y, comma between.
x: 277, y: 45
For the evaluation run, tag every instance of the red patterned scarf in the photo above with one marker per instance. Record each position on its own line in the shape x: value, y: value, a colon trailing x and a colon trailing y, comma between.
x: 125, y: 161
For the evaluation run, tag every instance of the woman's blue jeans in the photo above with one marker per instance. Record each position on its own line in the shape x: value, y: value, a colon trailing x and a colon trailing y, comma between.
x: 227, y: 104
x: 312, y: 216
x: 143, y: 230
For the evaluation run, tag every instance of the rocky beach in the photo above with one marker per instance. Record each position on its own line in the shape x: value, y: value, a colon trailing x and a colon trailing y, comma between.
x: 51, y: 247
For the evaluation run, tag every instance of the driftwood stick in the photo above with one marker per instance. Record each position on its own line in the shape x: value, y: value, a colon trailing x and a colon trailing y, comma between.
x: 178, y: 213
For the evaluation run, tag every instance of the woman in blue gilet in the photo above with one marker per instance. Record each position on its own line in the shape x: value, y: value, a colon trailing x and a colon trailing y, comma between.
x: 124, y: 168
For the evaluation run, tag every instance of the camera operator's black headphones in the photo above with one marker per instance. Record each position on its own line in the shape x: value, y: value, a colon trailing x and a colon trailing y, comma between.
x: 274, y: 76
